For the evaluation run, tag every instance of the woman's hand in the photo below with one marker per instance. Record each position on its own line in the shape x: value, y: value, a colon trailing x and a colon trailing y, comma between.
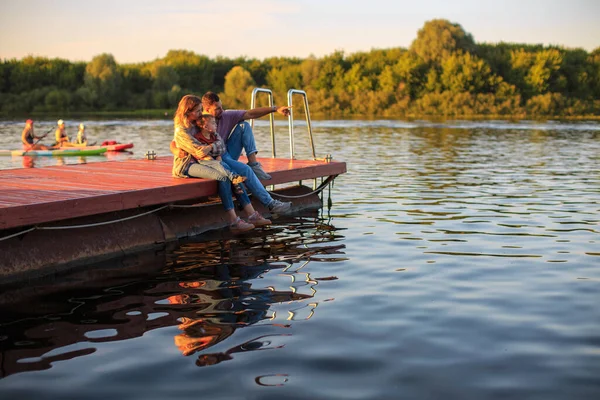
x: 177, y: 152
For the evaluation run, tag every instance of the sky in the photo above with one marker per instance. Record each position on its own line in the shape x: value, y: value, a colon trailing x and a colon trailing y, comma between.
x: 137, y: 31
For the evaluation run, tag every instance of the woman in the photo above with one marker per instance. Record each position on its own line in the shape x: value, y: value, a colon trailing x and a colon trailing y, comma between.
x: 28, y: 137
x: 192, y: 164
x: 60, y: 134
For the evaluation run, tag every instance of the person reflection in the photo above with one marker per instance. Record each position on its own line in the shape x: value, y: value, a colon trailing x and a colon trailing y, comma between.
x: 28, y: 162
x: 250, y: 345
x: 199, y: 334
x: 214, y: 309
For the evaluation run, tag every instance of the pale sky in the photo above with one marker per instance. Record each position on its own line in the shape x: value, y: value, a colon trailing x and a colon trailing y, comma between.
x: 136, y: 30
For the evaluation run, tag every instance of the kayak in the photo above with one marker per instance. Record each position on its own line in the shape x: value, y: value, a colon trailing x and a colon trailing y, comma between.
x: 70, y: 152
x: 108, y: 147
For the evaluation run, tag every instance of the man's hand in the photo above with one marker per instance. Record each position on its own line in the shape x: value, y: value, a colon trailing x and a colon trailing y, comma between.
x: 284, y: 110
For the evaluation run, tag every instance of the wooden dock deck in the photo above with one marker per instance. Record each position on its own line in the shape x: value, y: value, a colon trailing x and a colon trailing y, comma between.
x: 31, y: 199
x: 39, y: 195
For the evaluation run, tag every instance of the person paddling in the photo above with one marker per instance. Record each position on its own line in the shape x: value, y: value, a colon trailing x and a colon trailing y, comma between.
x: 60, y: 134
x: 28, y: 138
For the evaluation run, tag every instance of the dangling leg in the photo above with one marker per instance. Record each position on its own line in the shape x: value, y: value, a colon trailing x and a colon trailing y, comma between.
x: 240, y: 138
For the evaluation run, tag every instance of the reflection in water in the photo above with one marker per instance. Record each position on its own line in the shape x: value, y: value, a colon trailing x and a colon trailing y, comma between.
x: 206, y: 289
x: 470, y: 271
x: 28, y: 162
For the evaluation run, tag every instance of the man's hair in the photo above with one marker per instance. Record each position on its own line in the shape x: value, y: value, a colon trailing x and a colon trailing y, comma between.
x: 210, y: 98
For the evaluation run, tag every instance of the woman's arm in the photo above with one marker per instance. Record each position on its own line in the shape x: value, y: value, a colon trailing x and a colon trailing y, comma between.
x: 189, y: 144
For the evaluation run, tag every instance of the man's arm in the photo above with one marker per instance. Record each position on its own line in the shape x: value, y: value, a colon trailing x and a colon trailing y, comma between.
x: 262, y: 111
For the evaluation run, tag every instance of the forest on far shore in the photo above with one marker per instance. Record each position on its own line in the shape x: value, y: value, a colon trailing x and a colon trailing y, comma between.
x: 444, y: 73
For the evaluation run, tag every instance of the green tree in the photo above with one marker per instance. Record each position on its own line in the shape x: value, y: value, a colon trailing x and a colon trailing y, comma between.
x: 439, y: 38
x: 594, y: 79
x: 195, y: 72
x: 280, y: 80
x: 238, y: 88
x: 463, y: 72
x: 103, y: 79
x: 331, y: 72
x: 309, y: 69
x: 163, y: 75
x: 412, y: 74
x: 544, y: 70
x: 58, y: 100
x: 137, y: 78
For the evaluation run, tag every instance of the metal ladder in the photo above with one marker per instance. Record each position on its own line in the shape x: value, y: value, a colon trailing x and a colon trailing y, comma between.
x: 290, y: 95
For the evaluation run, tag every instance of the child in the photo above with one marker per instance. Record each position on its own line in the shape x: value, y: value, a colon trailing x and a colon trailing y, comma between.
x: 208, y: 136
x: 81, y: 138
x: 213, y: 149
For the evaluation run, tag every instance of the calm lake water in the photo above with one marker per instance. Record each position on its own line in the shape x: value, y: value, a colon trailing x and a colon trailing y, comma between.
x: 457, y: 260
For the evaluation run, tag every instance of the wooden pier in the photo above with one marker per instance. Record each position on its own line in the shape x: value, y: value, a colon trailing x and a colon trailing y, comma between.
x: 59, y: 217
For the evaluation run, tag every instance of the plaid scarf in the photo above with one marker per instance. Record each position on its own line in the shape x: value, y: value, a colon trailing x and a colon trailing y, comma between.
x: 218, y: 148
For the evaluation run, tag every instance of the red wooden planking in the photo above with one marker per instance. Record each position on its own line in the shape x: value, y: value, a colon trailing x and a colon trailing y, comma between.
x: 33, y: 196
x: 88, y: 180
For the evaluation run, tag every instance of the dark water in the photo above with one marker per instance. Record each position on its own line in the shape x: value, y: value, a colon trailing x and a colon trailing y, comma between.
x: 458, y: 260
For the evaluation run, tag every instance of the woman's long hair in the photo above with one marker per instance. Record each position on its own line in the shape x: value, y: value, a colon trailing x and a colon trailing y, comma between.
x: 186, y: 104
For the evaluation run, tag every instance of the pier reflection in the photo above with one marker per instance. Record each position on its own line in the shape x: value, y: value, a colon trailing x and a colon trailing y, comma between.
x: 207, y: 290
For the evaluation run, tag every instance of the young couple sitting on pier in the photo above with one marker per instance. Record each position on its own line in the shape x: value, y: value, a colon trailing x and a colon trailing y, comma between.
x: 207, y: 144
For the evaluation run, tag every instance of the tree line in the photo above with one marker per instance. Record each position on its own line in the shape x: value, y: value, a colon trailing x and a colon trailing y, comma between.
x: 444, y: 72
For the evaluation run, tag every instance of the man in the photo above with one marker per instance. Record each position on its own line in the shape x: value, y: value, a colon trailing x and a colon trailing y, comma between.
x: 236, y: 132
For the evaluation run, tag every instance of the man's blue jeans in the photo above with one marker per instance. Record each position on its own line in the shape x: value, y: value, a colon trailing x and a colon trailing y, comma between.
x: 241, y: 138
x: 252, y: 182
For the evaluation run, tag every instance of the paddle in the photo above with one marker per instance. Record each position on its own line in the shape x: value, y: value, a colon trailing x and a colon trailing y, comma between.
x: 37, y: 141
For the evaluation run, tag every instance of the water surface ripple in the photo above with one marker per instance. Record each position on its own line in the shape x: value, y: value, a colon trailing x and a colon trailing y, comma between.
x: 459, y: 260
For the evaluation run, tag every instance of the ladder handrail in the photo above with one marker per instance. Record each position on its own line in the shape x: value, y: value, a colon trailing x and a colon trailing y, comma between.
x: 271, y: 117
x: 291, y: 92
x: 290, y: 95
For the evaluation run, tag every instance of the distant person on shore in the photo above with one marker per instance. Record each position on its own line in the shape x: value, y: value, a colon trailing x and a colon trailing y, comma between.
x: 60, y: 134
x: 28, y: 138
x: 192, y: 163
x: 81, y: 138
x: 237, y: 133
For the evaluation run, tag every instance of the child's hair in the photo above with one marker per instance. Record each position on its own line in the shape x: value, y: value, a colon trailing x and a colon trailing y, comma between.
x: 203, y: 120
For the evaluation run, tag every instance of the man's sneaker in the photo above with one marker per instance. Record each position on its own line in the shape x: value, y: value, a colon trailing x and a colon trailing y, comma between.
x: 258, y: 220
x: 279, y: 207
x: 259, y: 171
x: 240, y: 226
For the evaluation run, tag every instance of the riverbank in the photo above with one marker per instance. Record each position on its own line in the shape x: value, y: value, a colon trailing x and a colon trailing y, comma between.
x: 315, y: 115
